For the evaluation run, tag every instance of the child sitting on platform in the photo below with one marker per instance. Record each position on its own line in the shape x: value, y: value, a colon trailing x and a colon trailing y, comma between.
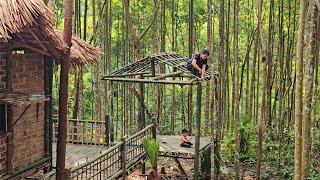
x: 185, y: 141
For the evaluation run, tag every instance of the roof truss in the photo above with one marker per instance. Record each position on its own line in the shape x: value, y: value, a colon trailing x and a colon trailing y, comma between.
x: 147, y: 70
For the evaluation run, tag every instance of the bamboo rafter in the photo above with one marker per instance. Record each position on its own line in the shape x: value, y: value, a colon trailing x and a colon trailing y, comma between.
x: 147, y: 67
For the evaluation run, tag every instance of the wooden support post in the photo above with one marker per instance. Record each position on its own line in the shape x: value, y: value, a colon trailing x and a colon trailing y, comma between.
x: 111, y: 114
x: 123, y: 157
x: 153, y: 68
x: 154, y: 128
x: 197, y: 132
x: 142, y: 111
x: 107, y: 132
x: 143, y: 168
x: 48, y: 75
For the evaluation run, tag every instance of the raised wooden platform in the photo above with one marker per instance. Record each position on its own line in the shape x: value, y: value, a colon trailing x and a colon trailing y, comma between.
x: 78, y: 154
x: 170, y: 146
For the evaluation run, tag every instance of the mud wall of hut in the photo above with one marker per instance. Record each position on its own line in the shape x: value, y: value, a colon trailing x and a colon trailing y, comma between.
x: 27, y: 143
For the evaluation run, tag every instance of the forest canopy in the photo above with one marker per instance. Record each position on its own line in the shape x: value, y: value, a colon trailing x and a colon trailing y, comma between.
x: 263, y: 111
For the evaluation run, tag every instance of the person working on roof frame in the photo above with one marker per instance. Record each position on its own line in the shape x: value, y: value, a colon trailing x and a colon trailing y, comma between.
x: 198, y: 64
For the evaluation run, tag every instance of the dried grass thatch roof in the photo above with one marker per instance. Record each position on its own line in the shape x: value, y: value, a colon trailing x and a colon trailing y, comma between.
x: 30, y: 24
x: 81, y: 52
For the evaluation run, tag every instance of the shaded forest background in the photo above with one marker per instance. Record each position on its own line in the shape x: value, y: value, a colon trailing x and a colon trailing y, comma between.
x: 253, y: 45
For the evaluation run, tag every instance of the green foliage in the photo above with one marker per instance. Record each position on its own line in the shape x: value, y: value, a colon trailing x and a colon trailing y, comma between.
x: 248, y: 139
x: 278, y: 155
x: 152, y: 149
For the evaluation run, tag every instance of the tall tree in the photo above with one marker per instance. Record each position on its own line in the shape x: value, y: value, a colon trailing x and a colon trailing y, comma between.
x: 307, y: 109
x: 63, y: 93
x: 261, y: 120
x: 219, y: 85
x: 298, y: 90
x: 134, y: 37
x: 210, y: 85
x: 136, y: 42
x: 209, y: 46
x: 236, y: 85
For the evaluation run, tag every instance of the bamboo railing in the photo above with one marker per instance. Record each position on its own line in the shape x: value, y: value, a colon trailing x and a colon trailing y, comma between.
x: 117, y: 160
x: 83, y: 132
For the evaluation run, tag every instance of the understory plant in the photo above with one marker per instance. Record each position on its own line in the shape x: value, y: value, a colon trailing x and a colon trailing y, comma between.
x: 152, y: 147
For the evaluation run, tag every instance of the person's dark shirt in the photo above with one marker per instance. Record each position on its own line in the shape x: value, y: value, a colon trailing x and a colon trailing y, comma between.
x: 199, y: 61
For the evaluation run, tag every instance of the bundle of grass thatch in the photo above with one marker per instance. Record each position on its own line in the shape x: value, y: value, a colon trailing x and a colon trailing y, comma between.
x: 30, y: 24
x: 81, y: 52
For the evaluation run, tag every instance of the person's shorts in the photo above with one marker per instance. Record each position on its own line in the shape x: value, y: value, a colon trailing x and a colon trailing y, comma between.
x: 186, y: 144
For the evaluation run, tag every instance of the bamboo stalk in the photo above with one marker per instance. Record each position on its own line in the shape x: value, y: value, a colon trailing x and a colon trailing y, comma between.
x: 151, y: 81
x: 168, y: 75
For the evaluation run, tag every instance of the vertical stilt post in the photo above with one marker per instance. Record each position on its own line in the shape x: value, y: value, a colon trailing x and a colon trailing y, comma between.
x: 142, y: 110
x: 153, y: 67
x: 123, y: 157
x: 48, y: 75
x: 143, y: 168
x: 154, y: 128
x: 111, y: 113
x: 107, y: 129
x: 197, y: 132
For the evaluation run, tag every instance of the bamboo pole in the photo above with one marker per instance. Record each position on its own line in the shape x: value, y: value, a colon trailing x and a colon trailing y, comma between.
x: 124, y: 75
x: 197, y: 132
x: 142, y: 114
x: 153, y: 67
x: 123, y: 157
x: 191, y: 82
x: 168, y: 75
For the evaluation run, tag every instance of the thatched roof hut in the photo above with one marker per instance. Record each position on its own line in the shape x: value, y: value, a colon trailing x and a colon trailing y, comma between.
x: 29, y: 24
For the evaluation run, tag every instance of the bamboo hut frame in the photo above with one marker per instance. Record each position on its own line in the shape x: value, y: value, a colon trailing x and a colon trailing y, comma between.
x: 144, y: 71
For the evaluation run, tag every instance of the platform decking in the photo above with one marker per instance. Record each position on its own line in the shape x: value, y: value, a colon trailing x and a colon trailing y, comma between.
x: 78, y: 154
x: 170, y: 146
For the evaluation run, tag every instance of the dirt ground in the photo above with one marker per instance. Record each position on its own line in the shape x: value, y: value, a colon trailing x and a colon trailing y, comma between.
x: 170, y: 166
x: 173, y: 172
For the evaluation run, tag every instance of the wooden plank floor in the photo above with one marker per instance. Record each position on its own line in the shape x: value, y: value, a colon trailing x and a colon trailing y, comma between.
x: 171, y: 144
x: 78, y: 154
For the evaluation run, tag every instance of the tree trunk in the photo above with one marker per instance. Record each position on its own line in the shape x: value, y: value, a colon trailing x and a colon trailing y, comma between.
x: 136, y: 39
x: 219, y: 93
x: 63, y: 93
x: 236, y: 87
x: 307, y: 109
x: 298, y: 90
x: 261, y: 119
